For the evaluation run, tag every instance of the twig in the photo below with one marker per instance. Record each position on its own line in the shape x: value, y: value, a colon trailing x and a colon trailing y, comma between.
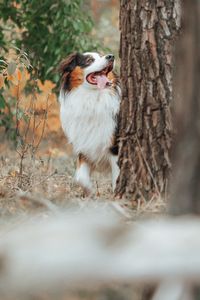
x: 42, y: 181
x: 44, y: 125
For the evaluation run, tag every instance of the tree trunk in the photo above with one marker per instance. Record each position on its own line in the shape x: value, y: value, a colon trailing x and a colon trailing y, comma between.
x: 148, y: 30
x: 185, y: 196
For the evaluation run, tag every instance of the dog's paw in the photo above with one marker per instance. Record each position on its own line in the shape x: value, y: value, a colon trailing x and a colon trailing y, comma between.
x: 85, y: 183
x: 88, y: 192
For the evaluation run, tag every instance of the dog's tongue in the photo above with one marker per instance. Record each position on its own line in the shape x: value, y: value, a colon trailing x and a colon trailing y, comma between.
x: 102, y: 80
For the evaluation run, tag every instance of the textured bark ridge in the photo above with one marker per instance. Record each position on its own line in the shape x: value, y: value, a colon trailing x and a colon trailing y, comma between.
x: 148, y: 30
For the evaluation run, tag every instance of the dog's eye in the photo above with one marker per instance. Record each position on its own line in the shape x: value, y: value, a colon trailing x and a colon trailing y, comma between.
x: 89, y: 60
x: 85, y: 61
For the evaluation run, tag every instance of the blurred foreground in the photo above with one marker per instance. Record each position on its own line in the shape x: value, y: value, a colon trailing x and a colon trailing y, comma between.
x: 98, y: 247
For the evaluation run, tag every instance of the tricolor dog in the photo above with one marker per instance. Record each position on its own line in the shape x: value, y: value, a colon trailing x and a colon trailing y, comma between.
x: 89, y: 105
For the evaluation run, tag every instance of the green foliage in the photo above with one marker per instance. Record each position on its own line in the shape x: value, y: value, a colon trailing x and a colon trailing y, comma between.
x: 2, y: 101
x: 50, y: 30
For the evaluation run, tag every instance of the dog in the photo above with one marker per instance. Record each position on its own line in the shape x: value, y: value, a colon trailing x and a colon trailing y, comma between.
x: 89, y: 105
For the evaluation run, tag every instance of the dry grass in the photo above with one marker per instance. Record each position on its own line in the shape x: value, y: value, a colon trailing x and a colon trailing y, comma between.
x: 49, y: 179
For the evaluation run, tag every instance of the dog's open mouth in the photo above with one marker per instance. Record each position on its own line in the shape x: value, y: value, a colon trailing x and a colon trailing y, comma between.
x: 100, y: 78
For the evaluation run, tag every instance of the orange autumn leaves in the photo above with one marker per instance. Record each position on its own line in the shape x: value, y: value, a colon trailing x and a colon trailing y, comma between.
x: 18, y: 81
x: 38, y: 107
x: 46, y: 95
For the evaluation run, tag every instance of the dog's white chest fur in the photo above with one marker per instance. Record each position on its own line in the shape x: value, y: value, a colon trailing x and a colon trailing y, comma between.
x: 88, y: 120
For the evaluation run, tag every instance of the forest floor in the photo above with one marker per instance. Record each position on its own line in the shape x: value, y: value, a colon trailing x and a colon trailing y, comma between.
x: 48, y: 178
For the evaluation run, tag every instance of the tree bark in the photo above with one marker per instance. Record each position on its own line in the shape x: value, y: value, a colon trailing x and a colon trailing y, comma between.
x: 148, y: 30
x: 185, y: 185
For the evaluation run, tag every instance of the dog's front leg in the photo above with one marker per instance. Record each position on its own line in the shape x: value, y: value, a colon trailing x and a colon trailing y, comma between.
x: 82, y: 175
x: 115, y: 170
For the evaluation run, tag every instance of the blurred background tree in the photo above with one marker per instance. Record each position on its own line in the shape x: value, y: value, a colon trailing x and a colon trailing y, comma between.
x: 46, y: 30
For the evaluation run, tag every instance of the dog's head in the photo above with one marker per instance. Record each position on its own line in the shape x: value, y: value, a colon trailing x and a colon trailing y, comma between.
x: 90, y: 69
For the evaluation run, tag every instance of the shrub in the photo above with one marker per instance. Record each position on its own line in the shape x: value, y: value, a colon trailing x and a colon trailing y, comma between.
x: 23, y: 116
x: 47, y: 30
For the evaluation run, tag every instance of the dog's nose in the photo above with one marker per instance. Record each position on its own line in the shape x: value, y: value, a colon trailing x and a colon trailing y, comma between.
x: 110, y: 57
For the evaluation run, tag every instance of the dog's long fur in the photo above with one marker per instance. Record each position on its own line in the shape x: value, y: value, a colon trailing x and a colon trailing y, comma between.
x: 89, y: 105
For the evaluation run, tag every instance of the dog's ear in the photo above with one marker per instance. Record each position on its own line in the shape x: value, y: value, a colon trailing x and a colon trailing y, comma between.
x: 69, y: 63
x: 67, y: 66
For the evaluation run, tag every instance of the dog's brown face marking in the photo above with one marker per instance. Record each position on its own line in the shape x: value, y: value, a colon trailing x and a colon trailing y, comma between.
x: 112, y: 77
x: 115, y: 81
x: 76, y: 77
x: 73, y: 66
